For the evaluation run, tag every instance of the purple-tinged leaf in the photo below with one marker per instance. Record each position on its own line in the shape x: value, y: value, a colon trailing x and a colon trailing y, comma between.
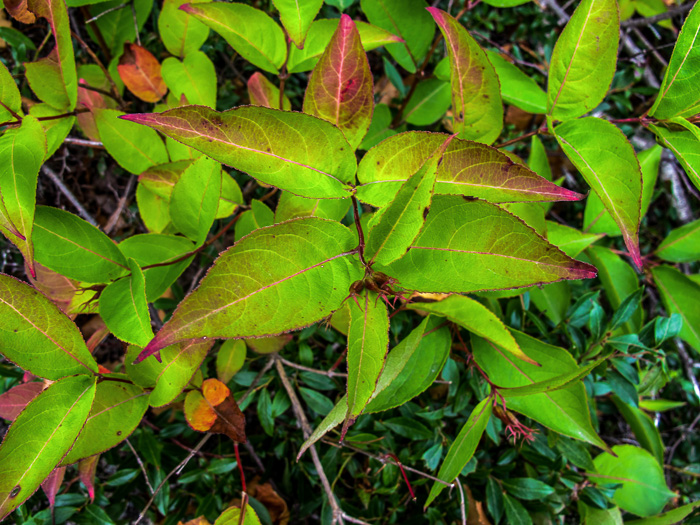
x: 51, y: 484
x: 17, y: 398
x: 37, y: 336
x: 299, y: 153
x: 476, y: 94
x: 606, y: 159
x: 86, y: 470
x: 340, y: 89
x: 456, y: 252
x: 262, y: 92
x: 467, y: 168
x: 304, y: 263
x: 296, y: 17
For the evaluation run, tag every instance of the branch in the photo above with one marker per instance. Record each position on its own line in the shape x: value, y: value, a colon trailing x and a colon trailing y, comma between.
x: 82, y: 142
x: 641, y: 22
x: 327, y: 373
x: 69, y: 195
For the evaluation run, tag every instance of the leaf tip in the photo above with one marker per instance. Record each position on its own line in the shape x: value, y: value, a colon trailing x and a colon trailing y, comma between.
x: 138, y: 118
x: 150, y: 349
x: 187, y: 8
x: 437, y: 14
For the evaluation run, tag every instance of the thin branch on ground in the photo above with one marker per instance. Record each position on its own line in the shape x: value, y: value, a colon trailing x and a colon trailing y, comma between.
x: 82, y: 142
x: 114, y: 218
x: 141, y: 465
x: 68, y: 194
x: 106, y: 12
x: 462, y: 502
x: 327, y: 373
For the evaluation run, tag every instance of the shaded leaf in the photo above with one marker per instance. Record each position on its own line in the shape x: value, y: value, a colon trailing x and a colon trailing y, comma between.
x: 679, y: 295
x: 517, y: 88
x: 430, y: 100
x: 86, y: 471
x: 643, y: 427
x: 668, y: 518
x: 16, y: 399
x: 340, y: 89
x: 258, y: 216
x: 215, y: 410
x: 291, y: 206
x: 140, y: 72
x: 52, y: 484
x: 230, y: 359
x: 298, y: 153
x: 476, y: 94
x: 262, y: 92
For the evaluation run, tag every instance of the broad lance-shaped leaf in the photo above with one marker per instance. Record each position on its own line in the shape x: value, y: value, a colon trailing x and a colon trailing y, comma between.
x: 680, y: 295
x: 22, y: 153
x: 463, y: 447
x: 40, y: 436
x: 476, y: 318
x: 678, y: 94
x: 297, y: 16
x: 124, y: 309
x: 403, y: 218
x: 340, y: 89
x: 293, y: 151
x: 181, y: 35
x: 468, y: 246
x: 37, y: 336
x: 476, y: 94
x: 683, y: 139
x: 606, y: 159
x: 564, y: 410
x: 116, y: 412
x: 467, y: 168
x: 74, y: 248
x: 681, y: 244
x: 9, y: 95
x: 368, y: 340
x: 17, y: 398
x: 251, y: 32
x: 276, y: 279
x: 193, y: 77
x: 583, y: 60
x: 141, y: 73
x: 262, y: 92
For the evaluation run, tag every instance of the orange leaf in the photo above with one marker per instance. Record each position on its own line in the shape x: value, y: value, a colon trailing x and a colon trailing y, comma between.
x: 215, y: 410
x: 140, y: 72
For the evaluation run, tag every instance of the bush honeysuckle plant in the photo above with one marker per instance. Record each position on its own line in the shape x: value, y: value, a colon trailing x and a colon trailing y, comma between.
x: 372, y: 205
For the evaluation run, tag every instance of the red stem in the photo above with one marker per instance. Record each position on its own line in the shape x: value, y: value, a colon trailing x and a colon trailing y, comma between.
x: 240, y: 467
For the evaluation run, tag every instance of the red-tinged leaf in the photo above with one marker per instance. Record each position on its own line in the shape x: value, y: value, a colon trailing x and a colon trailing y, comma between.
x: 476, y: 93
x: 14, y: 400
x: 467, y: 168
x: 140, y: 72
x: 58, y: 288
x: 86, y: 471
x: 299, y: 153
x: 606, y: 159
x: 340, y: 89
x: 91, y: 100
x: 262, y: 92
x: 19, y: 10
x: 215, y: 410
x: 307, y: 263
x: 51, y: 484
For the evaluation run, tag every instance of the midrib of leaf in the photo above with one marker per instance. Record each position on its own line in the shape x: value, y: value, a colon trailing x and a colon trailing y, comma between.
x: 571, y: 61
x: 41, y: 450
x: 193, y: 81
x: 424, y: 101
x: 682, y: 237
x: 448, y: 37
x: 678, y: 154
x: 629, y: 480
x: 143, y: 74
x: 680, y: 310
x: 112, y: 407
x: 132, y: 294
x: 133, y: 145
x: 471, y: 184
x: 14, y: 183
x: 174, y: 360
x: 81, y: 247
x: 42, y: 332
x: 341, y: 63
x: 685, y: 57
x: 464, y: 440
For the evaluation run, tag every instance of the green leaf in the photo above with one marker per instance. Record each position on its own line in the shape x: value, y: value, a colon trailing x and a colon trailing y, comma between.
x: 37, y: 336
x: 296, y: 17
x: 570, y: 240
x: 154, y: 248
x: 552, y: 300
x: 22, y: 153
x: 124, y: 309
x: 517, y: 88
x: 583, y: 61
x: 262, y: 92
x: 538, y: 160
x: 644, y: 491
x: 40, y: 436
x: 454, y: 238
x: 368, y: 341
x: 291, y: 206
x: 529, y: 489
x: 9, y: 95
x: 602, y: 154
x: 74, y: 248
x: 412, y: 366
x: 181, y: 34
x: 258, y: 216
x: 265, y: 412
x: 408, y: 428
x: 195, y: 199
x: 564, y: 410
x: 463, y: 447
x: 334, y: 418
x: 682, y: 244
x: 56, y: 129
x: 476, y: 318
x: 319, y: 36
x: 380, y: 128
x: 678, y: 92
x: 576, y: 452
x: 680, y: 296
x: 408, y: 20
x: 232, y: 516
x: 305, y: 262
x: 619, y: 280
x: 467, y: 168
x: 430, y: 100
x: 249, y: 31
x: 316, y: 401
x: 299, y: 153
x: 194, y: 77
x: 135, y: 148
x: 116, y: 411
x: 682, y: 139
x: 668, y: 518
x: 476, y: 94
x: 630, y: 305
x: 516, y: 514
x: 230, y: 359
x: 340, y: 89
x: 402, y: 219
x: 117, y: 24
x: 643, y: 427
